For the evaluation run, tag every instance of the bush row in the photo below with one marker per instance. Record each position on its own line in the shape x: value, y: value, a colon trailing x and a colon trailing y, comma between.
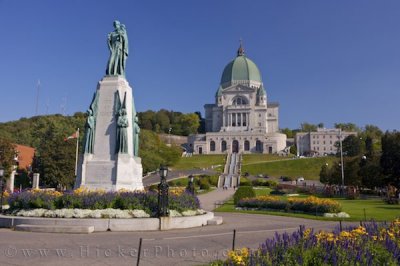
x: 308, y: 205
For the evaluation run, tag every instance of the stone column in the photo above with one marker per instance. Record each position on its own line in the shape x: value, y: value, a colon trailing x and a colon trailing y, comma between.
x: 35, y: 181
x: 10, y: 185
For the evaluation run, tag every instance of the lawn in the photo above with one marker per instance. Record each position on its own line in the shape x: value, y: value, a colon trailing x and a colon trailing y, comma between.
x: 375, y: 209
x: 309, y: 168
x: 200, y: 162
x: 261, y: 158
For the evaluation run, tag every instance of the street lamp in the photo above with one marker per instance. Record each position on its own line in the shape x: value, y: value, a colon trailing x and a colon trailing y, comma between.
x: 1, y: 188
x: 163, y: 193
x: 190, y: 187
x: 341, y: 156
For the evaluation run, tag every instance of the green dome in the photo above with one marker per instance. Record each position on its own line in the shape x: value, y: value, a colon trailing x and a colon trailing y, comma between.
x: 241, y: 68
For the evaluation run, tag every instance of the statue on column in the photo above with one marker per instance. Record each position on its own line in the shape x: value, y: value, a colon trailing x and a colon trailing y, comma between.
x: 118, y: 45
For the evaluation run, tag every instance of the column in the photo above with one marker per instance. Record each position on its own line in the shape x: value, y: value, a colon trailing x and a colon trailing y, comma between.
x: 35, y: 183
x: 236, y: 119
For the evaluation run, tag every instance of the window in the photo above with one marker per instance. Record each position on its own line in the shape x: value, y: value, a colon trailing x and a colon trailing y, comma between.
x: 246, y: 145
x: 239, y: 101
x: 223, y: 145
x: 259, y: 146
x: 212, y: 145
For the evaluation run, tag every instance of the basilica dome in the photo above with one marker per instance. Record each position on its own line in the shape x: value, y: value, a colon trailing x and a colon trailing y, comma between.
x: 239, y: 70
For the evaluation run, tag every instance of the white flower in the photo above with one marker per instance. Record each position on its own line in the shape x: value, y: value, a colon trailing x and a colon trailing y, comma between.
x: 200, y: 211
x: 189, y: 213
x: 339, y: 215
x: 174, y: 213
x: 138, y: 214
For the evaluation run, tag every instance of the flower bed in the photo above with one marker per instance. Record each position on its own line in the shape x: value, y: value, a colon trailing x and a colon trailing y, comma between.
x: 74, y: 203
x: 308, y: 205
x: 373, y: 244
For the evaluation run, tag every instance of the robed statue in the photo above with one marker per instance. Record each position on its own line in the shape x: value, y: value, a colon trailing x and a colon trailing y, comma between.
x: 90, y: 125
x: 118, y: 44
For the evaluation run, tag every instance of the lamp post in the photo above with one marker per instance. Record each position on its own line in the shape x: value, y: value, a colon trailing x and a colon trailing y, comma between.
x: 163, y: 193
x: 1, y: 187
x: 190, y: 187
x: 341, y: 156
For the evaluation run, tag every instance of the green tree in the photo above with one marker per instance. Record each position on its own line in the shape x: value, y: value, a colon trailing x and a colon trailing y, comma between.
x: 351, y: 146
x: 351, y: 127
x: 325, y: 174
x: 190, y: 123
x: 56, y: 159
x: 307, y: 127
x: 7, y: 154
x: 288, y: 132
x: 390, y: 158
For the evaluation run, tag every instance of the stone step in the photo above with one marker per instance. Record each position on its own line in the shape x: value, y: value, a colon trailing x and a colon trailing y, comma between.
x: 217, y: 220
x: 68, y: 229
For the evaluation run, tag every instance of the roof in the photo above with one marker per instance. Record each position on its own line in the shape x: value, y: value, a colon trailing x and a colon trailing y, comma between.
x: 239, y: 69
x: 25, y: 155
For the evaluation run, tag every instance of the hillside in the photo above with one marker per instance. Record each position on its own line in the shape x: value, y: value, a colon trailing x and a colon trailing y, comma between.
x: 309, y: 168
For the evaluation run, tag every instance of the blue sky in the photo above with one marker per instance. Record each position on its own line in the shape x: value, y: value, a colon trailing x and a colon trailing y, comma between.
x: 324, y: 61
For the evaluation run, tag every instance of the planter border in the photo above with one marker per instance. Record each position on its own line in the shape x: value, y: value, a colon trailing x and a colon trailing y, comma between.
x: 112, y: 224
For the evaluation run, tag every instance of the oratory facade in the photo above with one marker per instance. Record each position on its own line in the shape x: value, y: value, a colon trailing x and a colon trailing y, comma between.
x: 241, y: 119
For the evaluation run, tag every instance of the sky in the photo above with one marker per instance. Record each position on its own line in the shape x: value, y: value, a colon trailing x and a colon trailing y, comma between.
x: 323, y: 61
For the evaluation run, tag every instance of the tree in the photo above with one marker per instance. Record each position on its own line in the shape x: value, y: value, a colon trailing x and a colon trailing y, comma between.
x: 190, y: 123
x: 371, y: 172
x: 390, y: 158
x: 351, y: 146
x: 7, y: 155
x: 307, y: 127
x: 56, y: 159
x: 325, y: 174
x: 202, y: 127
x: 288, y: 132
x: 351, y: 127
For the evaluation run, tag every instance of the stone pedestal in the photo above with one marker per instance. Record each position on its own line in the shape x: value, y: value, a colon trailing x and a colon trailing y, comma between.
x: 105, y: 168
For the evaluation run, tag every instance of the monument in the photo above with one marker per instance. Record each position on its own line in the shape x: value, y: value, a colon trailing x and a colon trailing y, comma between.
x: 110, y: 157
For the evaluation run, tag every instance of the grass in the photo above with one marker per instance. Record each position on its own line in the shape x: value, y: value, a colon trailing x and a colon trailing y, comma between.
x: 375, y: 209
x: 200, y: 162
x: 260, y: 158
x: 309, y: 168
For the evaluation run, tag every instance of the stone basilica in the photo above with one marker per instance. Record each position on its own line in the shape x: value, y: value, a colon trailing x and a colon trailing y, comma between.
x: 241, y: 120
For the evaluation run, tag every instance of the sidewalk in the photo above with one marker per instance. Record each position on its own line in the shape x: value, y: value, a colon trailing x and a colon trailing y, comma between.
x: 207, y: 201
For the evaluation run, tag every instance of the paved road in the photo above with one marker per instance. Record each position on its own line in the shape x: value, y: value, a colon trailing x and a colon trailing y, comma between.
x: 208, y: 200
x: 155, y: 178
x: 176, y: 247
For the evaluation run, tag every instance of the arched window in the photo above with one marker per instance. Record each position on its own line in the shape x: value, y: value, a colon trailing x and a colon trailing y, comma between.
x: 235, y: 146
x: 259, y: 146
x: 246, y: 145
x: 239, y: 101
x: 223, y: 145
x: 212, y: 145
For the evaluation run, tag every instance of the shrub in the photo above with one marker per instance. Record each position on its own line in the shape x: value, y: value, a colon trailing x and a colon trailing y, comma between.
x: 213, y: 180
x: 243, y: 192
x: 277, y: 192
x: 244, y: 181
x: 286, y: 178
x: 263, y: 182
x: 204, y: 184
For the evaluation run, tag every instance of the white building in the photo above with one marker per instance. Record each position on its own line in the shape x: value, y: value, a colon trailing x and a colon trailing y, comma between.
x: 241, y: 119
x: 321, y: 142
